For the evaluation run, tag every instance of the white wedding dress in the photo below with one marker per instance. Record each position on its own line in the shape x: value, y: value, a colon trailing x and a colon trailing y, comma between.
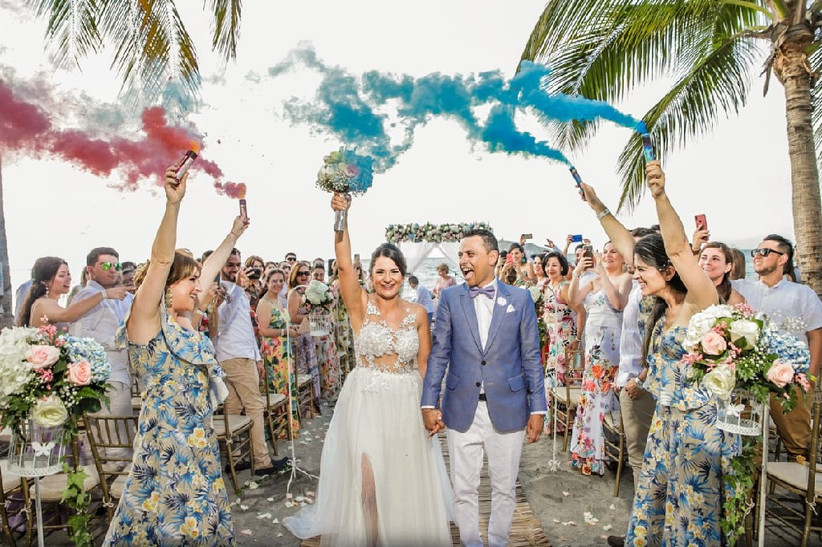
x: 377, y: 426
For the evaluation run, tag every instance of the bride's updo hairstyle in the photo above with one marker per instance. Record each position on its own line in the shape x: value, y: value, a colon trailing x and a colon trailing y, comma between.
x: 389, y: 250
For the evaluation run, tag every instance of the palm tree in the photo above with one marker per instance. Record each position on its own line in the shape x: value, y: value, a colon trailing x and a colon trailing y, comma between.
x: 152, y: 49
x: 603, y: 49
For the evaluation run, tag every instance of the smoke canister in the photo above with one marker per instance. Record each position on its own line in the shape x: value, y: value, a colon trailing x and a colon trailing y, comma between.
x: 185, y: 163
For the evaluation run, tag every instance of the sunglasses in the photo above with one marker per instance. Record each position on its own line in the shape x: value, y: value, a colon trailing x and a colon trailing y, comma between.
x: 764, y: 252
x: 302, y: 273
x: 291, y: 259
x: 109, y: 265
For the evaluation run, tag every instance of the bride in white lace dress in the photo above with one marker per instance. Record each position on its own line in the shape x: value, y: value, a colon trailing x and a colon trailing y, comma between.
x: 382, y: 480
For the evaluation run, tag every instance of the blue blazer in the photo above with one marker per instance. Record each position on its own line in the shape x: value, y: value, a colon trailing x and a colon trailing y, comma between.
x: 509, y: 367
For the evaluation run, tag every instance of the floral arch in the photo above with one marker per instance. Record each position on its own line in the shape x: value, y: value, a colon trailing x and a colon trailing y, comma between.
x: 417, y: 241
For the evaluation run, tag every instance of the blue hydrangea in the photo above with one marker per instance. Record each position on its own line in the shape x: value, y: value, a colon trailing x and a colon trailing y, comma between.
x: 78, y: 349
x: 787, y: 348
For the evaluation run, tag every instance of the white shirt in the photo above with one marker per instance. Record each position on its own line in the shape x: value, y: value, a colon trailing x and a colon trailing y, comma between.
x: 630, y: 339
x: 101, y: 323
x: 794, y: 307
x: 484, y: 308
x: 235, y: 333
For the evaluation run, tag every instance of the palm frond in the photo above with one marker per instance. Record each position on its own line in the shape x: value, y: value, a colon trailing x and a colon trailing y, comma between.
x: 718, y: 84
x: 72, y: 28
x: 227, y: 15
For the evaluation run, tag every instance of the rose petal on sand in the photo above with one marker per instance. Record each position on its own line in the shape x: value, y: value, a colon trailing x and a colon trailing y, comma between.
x: 270, y: 499
x: 264, y: 516
x: 299, y: 498
x: 566, y: 494
x: 244, y: 507
x: 289, y: 504
x: 569, y: 523
x: 557, y: 521
x: 279, y: 534
x: 252, y: 485
x: 275, y: 521
x: 310, y: 493
x: 612, y: 507
x: 607, y: 527
x: 288, y: 495
x: 247, y: 532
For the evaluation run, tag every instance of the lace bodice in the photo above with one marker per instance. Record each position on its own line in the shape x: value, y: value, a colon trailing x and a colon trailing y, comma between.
x: 381, y: 347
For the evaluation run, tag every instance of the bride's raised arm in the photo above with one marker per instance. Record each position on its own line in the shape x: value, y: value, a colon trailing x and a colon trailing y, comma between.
x: 354, y: 297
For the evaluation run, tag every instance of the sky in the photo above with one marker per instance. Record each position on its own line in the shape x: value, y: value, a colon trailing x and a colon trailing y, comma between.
x: 737, y: 175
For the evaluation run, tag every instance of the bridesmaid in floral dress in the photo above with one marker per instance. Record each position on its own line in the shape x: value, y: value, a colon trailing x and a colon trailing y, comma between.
x: 276, y: 329
x: 604, y: 296
x: 326, y: 346
x: 560, y: 320
x: 305, y: 352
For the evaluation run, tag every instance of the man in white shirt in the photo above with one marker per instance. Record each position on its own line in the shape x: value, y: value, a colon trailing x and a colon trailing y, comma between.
x: 101, y: 323
x: 424, y: 296
x: 798, y: 311
x: 238, y: 354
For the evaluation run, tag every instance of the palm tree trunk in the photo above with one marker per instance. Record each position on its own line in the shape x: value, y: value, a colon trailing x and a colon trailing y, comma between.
x: 792, y: 69
x: 6, y: 315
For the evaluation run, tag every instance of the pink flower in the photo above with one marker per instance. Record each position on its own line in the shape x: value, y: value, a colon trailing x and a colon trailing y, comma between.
x: 79, y: 374
x: 42, y: 356
x: 713, y: 344
x: 802, y: 380
x: 780, y: 373
x: 352, y: 170
x: 46, y: 375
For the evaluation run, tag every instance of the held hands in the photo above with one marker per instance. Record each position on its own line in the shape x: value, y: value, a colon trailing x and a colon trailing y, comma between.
x: 341, y: 202
x: 534, y: 428
x: 432, y: 419
x: 655, y: 179
x: 175, y: 189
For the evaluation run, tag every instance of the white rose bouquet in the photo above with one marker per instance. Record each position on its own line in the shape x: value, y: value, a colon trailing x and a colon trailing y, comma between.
x: 733, y: 347
x: 318, y: 296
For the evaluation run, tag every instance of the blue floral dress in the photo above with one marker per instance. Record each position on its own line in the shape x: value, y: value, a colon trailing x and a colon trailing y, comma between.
x: 174, y: 494
x: 681, y: 490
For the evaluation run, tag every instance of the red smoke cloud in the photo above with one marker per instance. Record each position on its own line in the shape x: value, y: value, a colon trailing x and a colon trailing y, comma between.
x: 24, y: 127
x: 234, y: 190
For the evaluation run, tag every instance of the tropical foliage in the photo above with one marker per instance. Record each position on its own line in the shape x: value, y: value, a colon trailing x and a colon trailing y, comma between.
x: 711, y: 49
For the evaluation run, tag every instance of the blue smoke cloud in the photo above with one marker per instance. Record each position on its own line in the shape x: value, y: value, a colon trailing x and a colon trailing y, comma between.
x: 354, y: 109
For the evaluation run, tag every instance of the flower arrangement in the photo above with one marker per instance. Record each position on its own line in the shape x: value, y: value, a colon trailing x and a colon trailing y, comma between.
x: 318, y: 297
x: 433, y: 233
x: 733, y: 347
x: 345, y: 172
x: 52, y: 379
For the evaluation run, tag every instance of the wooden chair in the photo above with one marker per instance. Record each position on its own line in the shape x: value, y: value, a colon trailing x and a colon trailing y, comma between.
x: 12, y: 491
x: 567, y: 396
x: 614, y: 437
x: 305, y: 396
x: 234, y: 435
x: 112, y: 440
x: 275, y: 412
x: 799, y: 508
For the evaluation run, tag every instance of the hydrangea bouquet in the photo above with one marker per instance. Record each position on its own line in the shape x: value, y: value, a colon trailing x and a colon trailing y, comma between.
x: 318, y: 296
x: 345, y: 172
x: 734, y: 348
x: 428, y: 232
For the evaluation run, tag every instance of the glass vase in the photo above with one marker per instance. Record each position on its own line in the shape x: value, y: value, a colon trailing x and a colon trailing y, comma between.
x: 319, y: 323
x: 36, y: 450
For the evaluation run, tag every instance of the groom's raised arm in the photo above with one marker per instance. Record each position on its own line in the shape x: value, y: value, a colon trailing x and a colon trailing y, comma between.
x: 440, y: 352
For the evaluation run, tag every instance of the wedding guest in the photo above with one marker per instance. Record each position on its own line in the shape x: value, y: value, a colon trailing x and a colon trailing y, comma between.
x: 326, y: 350
x: 716, y: 259
x: 254, y: 266
x: 686, y: 453
x: 276, y: 329
x: 424, y: 296
x: 603, y: 296
x: 305, y: 351
x: 444, y: 281
x: 175, y: 429
x: 797, y: 310
x: 739, y: 265
x: 52, y: 280
x: 318, y: 273
x: 519, y: 263
x: 127, y: 278
x: 539, y: 271
x: 291, y: 258
x: 560, y: 320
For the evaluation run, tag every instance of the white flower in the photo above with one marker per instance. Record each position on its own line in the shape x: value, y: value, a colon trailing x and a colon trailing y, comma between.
x: 536, y: 292
x: 702, y: 322
x: 317, y: 293
x: 49, y: 412
x: 720, y: 381
x: 744, y: 329
x: 15, y: 370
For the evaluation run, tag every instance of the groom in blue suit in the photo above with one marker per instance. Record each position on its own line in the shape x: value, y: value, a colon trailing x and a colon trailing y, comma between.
x: 486, y: 345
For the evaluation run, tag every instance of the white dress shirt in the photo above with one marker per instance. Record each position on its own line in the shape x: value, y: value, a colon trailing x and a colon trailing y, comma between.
x: 235, y: 333
x: 484, y: 308
x: 794, y: 307
x: 630, y: 339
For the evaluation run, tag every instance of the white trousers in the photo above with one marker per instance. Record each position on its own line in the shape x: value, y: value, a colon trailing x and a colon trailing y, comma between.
x: 466, y: 453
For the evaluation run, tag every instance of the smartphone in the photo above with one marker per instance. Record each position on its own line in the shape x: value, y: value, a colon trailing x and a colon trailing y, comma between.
x: 217, y: 279
x: 509, y: 259
x: 577, y: 238
x: 647, y: 147
x: 254, y: 273
x: 701, y: 222
x: 588, y: 251
x: 503, y: 254
x: 527, y: 236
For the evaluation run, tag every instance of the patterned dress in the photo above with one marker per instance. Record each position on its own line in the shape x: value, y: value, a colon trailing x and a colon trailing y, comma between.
x: 305, y: 355
x: 561, y: 329
x: 343, y: 332
x: 174, y: 494
x: 277, y: 358
x: 602, y: 329
x: 329, y: 363
x: 681, y: 491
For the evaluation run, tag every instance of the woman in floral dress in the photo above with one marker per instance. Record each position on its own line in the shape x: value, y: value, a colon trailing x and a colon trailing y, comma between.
x: 305, y: 352
x: 274, y: 348
x: 174, y: 493
x: 326, y: 345
x: 604, y: 295
x: 683, y: 483
x: 561, y: 326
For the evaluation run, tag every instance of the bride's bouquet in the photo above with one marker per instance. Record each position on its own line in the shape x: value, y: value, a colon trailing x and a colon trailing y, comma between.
x: 345, y: 172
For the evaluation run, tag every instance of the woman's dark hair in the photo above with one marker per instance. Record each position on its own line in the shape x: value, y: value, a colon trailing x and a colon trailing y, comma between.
x: 651, y: 249
x: 44, y: 270
x: 563, y: 262
x: 271, y: 273
x: 389, y: 250
x: 516, y: 245
x: 724, y: 288
x: 738, y: 259
x: 786, y: 247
